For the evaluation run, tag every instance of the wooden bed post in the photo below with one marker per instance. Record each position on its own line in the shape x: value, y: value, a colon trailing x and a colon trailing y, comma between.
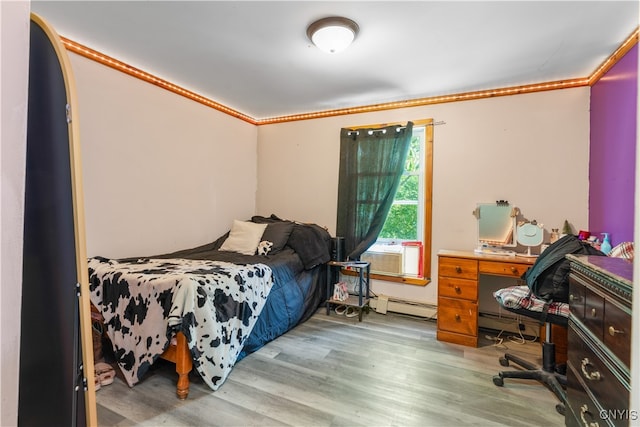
x: 179, y: 354
x: 184, y: 364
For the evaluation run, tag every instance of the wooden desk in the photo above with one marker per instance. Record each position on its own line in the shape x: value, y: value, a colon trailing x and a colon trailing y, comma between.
x: 458, y: 274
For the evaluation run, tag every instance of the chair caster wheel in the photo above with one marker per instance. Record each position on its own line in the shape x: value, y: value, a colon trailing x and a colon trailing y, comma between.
x: 560, y: 408
x: 497, y: 380
x: 503, y: 361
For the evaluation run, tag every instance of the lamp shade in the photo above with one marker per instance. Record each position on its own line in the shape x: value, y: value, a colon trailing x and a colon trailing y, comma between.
x: 333, y: 34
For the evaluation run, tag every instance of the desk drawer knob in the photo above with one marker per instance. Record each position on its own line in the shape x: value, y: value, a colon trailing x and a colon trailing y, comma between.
x: 589, y: 371
x: 457, y: 317
x: 613, y: 331
x: 458, y: 269
x: 457, y: 289
x: 514, y: 270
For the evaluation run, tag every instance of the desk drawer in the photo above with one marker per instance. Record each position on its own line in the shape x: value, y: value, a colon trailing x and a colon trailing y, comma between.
x: 458, y: 288
x: 458, y: 267
x: 503, y: 268
x: 455, y: 315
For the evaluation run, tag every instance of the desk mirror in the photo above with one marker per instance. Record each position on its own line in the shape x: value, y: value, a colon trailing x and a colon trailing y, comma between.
x: 496, y: 225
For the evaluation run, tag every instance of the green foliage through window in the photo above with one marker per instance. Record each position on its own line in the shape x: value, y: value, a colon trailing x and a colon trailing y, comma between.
x: 401, y: 223
x: 402, y: 220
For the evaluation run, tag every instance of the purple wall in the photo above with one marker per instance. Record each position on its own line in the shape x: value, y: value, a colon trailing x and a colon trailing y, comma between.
x: 613, y: 150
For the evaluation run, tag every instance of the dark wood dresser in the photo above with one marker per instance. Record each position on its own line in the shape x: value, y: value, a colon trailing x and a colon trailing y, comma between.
x: 599, y: 343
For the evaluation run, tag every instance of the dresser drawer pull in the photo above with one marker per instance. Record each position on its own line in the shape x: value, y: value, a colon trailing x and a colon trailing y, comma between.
x: 457, y: 289
x: 613, y: 331
x: 458, y: 269
x: 514, y: 270
x: 457, y: 317
x: 575, y: 298
x: 588, y: 370
x: 584, y: 411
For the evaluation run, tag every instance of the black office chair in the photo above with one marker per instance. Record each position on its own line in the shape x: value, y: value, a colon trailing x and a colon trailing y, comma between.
x: 549, y: 373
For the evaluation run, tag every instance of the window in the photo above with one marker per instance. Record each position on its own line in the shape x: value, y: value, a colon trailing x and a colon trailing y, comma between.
x: 402, y: 251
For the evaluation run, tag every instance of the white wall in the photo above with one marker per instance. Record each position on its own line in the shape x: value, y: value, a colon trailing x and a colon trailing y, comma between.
x: 161, y: 172
x: 14, y: 57
x: 529, y: 149
x: 158, y: 178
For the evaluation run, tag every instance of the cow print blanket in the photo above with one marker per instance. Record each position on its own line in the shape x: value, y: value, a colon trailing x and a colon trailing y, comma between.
x: 145, y: 301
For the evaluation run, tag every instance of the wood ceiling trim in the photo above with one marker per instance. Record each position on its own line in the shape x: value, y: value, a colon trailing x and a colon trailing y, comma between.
x: 630, y: 42
x: 108, y: 61
x: 465, y: 96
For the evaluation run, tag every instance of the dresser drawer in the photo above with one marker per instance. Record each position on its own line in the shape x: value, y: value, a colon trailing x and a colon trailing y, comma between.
x: 456, y: 315
x: 594, y: 313
x: 595, y: 375
x: 458, y: 267
x: 576, y: 299
x: 458, y: 288
x: 598, y: 375
x: 617, y: 332
x: 503, y: 268
x: 582, y: 410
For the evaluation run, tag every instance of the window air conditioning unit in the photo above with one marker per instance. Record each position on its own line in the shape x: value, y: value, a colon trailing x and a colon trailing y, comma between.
x: 384, y: 262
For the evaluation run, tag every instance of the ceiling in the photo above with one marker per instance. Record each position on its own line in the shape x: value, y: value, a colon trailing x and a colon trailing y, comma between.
x: 254, y: 56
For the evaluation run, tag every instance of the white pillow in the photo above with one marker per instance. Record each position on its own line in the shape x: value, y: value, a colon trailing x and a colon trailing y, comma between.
x: 244, y: 237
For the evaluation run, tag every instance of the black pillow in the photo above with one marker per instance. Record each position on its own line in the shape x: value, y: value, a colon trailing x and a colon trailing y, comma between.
x: 277, y: 232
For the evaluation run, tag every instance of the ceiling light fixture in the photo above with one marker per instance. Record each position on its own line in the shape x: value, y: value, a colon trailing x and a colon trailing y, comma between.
x: 333, y: 34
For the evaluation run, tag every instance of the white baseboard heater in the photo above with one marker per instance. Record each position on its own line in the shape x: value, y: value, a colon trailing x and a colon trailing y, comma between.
x: 383, y: 303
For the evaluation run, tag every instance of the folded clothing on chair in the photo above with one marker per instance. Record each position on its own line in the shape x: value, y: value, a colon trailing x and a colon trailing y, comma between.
x: 521, y: 297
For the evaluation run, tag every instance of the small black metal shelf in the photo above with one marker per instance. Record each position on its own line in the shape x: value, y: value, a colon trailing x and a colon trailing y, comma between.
x: 361, y: 300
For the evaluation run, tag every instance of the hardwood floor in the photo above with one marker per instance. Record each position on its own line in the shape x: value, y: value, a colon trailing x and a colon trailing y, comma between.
x: 388, y: 370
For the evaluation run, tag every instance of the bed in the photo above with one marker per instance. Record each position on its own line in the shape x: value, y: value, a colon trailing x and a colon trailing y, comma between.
x: 210, y: 306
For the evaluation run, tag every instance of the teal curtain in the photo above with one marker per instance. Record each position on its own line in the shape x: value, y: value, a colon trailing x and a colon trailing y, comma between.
x: 371, y: 165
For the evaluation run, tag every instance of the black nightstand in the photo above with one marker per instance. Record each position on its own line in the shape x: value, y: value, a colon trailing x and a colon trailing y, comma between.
x: 361, y: 300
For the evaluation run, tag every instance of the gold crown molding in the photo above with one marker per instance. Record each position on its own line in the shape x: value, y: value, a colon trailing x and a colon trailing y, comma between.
x: 626, y: 46
x: 150, y: 78
x: 466, y: 96
x: 108, y: 61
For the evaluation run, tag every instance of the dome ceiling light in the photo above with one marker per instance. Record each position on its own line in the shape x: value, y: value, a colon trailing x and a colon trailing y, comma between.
x: 333, y: 34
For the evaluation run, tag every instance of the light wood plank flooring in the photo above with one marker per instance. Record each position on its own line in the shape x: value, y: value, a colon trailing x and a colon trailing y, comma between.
x: 388, y: 370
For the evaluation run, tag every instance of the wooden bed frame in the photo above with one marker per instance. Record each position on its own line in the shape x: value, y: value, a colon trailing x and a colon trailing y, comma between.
x: 178, y: 353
